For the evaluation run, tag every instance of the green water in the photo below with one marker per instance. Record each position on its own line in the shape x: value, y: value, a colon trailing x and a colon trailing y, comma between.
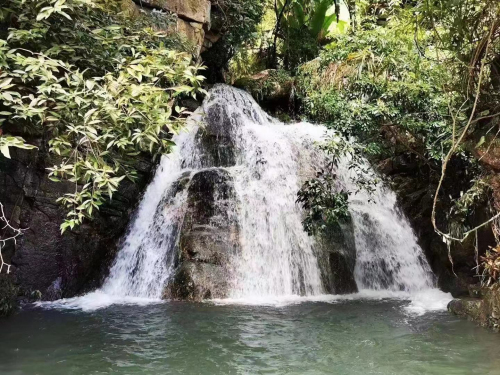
x: 349, y: 337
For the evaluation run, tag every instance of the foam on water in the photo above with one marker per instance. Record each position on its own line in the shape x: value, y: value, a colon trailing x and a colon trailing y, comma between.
x: 97, y: 300
x: 417, y: 304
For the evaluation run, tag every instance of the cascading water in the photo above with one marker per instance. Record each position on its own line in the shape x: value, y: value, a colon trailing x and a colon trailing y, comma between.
x: 277, y: 256
x: 267, y: 162
x: 388, y: 255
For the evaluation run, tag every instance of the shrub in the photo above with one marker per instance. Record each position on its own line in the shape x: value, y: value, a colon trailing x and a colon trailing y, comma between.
x: 103, y: 88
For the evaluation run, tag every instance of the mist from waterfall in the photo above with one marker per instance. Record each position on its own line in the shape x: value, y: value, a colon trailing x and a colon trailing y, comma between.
x: 277, y: 258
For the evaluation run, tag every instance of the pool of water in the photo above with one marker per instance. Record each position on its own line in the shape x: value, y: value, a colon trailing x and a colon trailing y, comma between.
x: 337, y: 337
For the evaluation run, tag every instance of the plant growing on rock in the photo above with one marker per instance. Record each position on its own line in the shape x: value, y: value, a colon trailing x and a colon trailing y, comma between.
x: 490, y: 263
x: 325, y: 202
x: 102, y: 87
x: 325, y: 206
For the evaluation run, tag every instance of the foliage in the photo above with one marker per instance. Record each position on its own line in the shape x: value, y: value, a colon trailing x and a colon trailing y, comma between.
x: 101, y: 85
x: 325, y: 203
x: 375, y: 86
x: 267, y: 84
x: 325, y: 207
x: 6, y: 142
x: 352, y: 156
x: 490, y: 264
x: 237, y: 20
x: 302, y: 26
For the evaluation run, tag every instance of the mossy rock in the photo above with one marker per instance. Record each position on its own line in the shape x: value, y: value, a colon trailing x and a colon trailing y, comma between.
x: 272, y: 89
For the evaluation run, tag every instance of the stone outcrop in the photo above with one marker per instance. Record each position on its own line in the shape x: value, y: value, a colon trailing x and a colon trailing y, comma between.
x: 46, y: 264
x: 191, y: 10
x: 208, y: 238
x: 272, y: 89
x: 482, y: 306
x: 337, y: 258
x: 192, y: 19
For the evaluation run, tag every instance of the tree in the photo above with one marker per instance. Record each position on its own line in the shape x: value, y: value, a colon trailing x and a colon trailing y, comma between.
x: 102, y: 86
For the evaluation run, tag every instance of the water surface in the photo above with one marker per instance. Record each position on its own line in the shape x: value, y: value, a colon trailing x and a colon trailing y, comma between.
x: 343, y: 337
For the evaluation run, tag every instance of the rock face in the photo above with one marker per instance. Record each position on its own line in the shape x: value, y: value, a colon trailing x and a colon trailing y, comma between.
x: 46, y: 264
x: 208, y: 238
x: 482, y: 307
x: 415, y: 190
x: 193, y: 10
x: 192, y: 18
x: 337, y: 259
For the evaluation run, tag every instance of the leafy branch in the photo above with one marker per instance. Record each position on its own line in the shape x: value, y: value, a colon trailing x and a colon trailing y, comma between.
x: 102, y: 86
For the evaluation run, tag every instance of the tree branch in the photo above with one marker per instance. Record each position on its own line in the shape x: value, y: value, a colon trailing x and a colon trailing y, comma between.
x: 16, y: 232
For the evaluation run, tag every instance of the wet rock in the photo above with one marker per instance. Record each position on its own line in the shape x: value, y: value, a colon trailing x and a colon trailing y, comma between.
x: 337, y: 259
x: 217, y: 137
x: 482, y: 307
x: 415, y: 188
x: 8, y: 295
x: 44, y: 261
x: 471, y: 308
x: 196, y: 281
x: 209, y: 238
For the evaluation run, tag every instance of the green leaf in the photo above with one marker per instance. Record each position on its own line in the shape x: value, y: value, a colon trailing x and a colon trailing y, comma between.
x: 481, y: 142
x: 4, y: 149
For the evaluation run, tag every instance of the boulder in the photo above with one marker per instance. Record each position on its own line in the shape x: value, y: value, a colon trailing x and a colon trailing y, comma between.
x: 209, y: 238
x: 337, y: 258
x: 196, y: 281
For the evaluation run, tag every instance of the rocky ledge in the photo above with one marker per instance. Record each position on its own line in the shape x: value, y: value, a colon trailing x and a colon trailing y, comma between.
x: 482, y: 306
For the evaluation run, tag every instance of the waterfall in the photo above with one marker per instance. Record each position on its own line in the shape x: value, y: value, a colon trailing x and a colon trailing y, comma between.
x: 388, y: 255
x: 277, y: 256
x: 251, y: 230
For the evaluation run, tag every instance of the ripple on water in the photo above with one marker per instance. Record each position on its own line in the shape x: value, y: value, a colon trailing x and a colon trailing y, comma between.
x: 349, y: 336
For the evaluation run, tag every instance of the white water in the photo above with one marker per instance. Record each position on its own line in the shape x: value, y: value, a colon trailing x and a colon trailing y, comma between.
x: 277, y: 263
x: 277, y: 255
x: 388, y: 255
